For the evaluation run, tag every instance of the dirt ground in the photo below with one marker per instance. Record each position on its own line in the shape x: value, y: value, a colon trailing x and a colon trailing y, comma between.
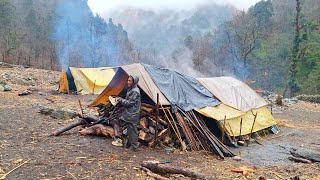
x: 24, y: 137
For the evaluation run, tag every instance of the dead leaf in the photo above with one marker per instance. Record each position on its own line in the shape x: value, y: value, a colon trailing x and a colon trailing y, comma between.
x: 2, y: 171
x: 17, y: 161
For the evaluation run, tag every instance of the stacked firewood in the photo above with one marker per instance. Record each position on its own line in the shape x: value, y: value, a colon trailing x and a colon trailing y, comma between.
x: 157, y: 125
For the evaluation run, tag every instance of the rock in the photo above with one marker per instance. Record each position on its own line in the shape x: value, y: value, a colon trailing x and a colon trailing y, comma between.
x: 152, y: 130
x: 7, y: 88
x: 6, y: 76
x: 46, y: 111
x: 63, y: 114
x: 236, y: 158
x: 24, y: 93
x: 32, y: 89
x: 169, y: 150
x: 1, y: 87
x: 23, y: 82
x: 3, y: 82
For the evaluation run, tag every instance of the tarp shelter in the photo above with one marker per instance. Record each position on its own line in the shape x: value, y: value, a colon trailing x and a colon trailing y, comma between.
x: 119, y: 82
x: 181, y: 90
x: 173, y: 88
x: 239, y: 102
x: 85, y: 80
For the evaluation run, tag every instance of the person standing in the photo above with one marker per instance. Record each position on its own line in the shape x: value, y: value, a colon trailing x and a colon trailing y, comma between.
x: 131, y: 111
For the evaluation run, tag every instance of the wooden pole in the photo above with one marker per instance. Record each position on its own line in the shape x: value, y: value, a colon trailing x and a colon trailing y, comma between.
x: 82, y: 114
x: 223, y: 129
x: 234, y: 139
x: 254, y: 120
x: 240, y: 129
x: 157, y: 119
x: 94, y: 86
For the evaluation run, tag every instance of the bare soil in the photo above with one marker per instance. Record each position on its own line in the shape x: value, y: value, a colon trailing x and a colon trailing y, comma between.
x: 24, y: 136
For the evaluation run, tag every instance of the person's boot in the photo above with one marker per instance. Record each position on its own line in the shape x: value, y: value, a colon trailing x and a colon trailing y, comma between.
x: 117, y: 142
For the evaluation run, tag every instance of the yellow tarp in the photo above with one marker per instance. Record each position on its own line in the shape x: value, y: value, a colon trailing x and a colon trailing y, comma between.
x: 63, y: 83
x: 264, y: 119
x: 92, y: 80
x: 113, y: 89
x: 220, y: 111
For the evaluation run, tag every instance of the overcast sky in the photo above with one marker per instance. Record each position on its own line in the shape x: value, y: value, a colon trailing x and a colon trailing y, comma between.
x: 104, y: 6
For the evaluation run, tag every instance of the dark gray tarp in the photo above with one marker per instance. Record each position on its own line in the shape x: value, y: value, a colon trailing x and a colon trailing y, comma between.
x: 181, y: 90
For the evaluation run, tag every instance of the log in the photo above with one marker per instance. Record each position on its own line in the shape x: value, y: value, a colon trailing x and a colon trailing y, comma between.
x: 147, y: 105
x: 143, y: 122
x: 296, y: 159
x: 161, y: 135
x: 143, y: 129
x: 98, y: 129
x: 153, y: 123
x: 146, y: 109
x: 145, y: 136
x: 68, y: 127
x: 163, y: 122
x: 151, y: 174
x: 157, y: 167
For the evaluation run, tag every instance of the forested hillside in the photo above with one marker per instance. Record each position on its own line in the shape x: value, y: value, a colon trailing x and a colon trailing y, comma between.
x: 274, y: 45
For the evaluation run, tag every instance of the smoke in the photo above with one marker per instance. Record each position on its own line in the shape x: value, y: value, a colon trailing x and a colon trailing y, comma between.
x: 70, y: 33
x: 85, y: 40
x: 160, y: 34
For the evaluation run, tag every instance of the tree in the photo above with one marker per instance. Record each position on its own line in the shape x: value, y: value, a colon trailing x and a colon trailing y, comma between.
x: 298, y: 50
x: 262, y: 13
x: 243, y: 33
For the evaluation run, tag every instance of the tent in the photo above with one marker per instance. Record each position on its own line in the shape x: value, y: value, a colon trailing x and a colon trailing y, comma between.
x: 239, y: 102
x: 85, y: 80
x: 173, y: 88
x: 118, y: 83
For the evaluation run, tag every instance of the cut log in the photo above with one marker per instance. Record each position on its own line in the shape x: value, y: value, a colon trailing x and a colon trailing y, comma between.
x: 156, y: 167
x: 98, y: 129
x: 145, y: 136
x: 143, y: 122
x: 161, y: 135
x: 153, y: 123
x: 146, y: 109
x: 167, y: 139
x: 163, y: 122
x: 147, y: 105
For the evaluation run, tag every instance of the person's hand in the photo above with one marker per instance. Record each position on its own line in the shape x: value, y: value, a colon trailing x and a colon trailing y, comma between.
x: 118, y: 99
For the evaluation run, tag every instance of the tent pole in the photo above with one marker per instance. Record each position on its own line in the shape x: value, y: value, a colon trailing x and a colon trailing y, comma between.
x: 157, y: 119
x: 254, y: 120
x: 240, y: 129
x: 223, y: 129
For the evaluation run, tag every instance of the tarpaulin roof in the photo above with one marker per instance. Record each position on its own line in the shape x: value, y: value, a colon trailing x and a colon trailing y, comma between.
x: 233, y: 92
x: 181, y: 90
x: 145, y: 82
x: 120, y: 79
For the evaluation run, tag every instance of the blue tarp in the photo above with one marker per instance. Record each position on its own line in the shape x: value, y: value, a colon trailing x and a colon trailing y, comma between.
x: 181, y: 90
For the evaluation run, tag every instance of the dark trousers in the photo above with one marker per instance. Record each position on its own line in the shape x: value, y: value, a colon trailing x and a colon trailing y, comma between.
x: 132, y: 136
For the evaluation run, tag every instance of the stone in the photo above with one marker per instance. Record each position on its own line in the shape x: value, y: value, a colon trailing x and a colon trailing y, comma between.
x: 1, y: 87
x: 63, y: 114
x: 3, y: 82
x: 7, y: 88
x: 236, y: 158
x: 46, y: 111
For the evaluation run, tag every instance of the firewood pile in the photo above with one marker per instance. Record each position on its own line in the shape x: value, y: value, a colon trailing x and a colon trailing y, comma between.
x: 158, y: 126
